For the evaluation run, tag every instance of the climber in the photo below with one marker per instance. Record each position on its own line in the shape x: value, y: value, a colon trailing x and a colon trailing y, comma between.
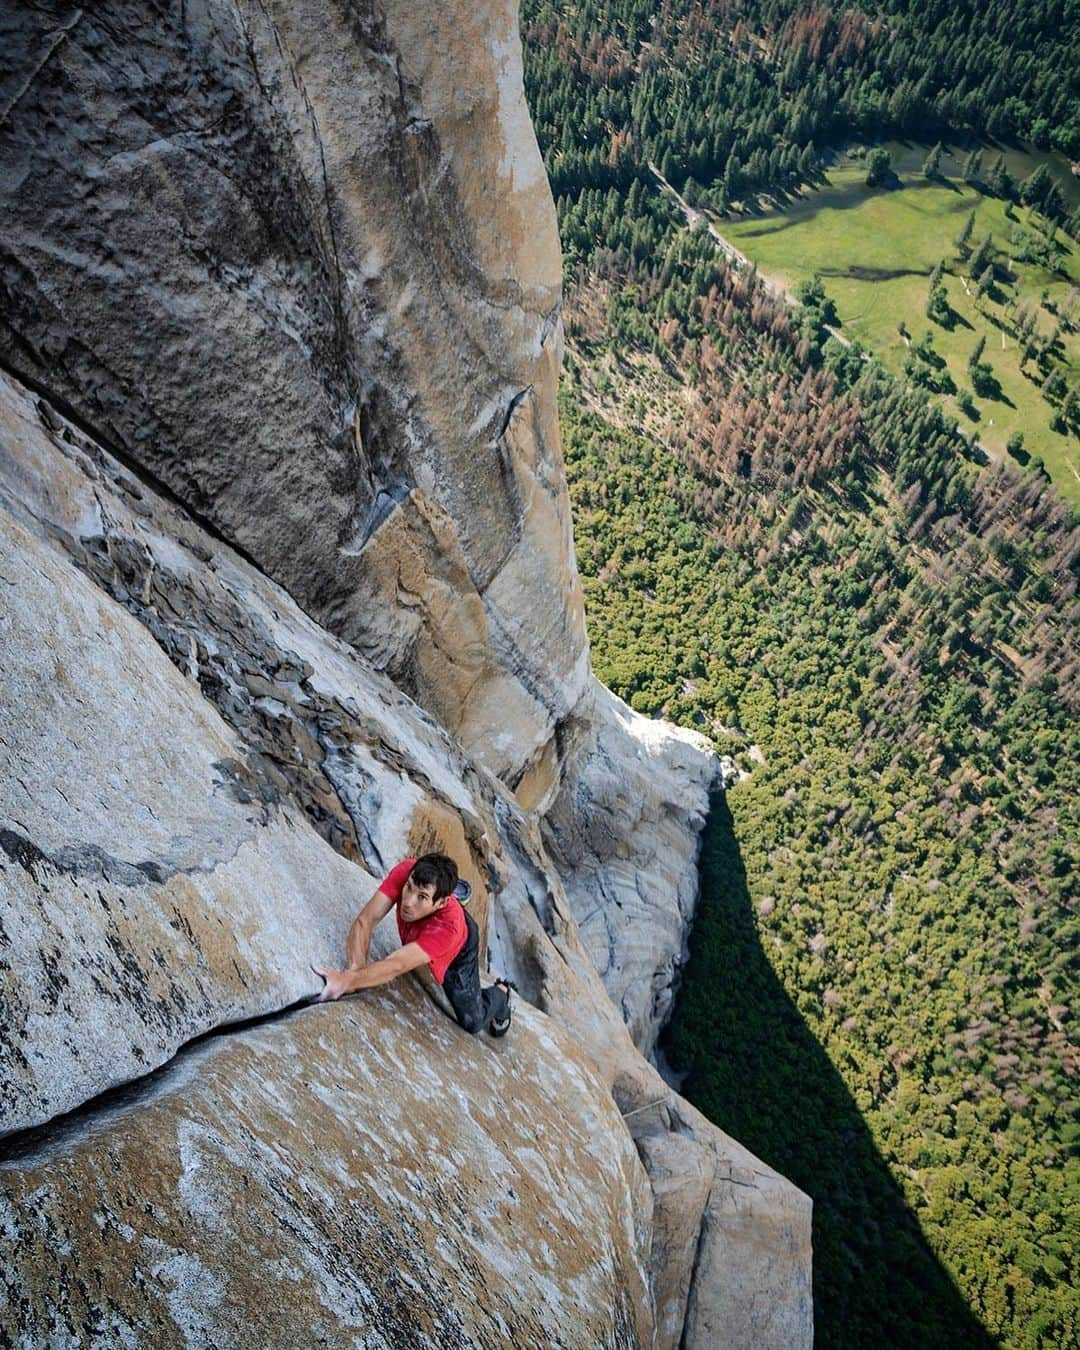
x: 435, y: 931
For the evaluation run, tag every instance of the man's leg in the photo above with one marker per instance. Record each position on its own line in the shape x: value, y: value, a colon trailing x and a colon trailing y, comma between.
x: 475, y: 1008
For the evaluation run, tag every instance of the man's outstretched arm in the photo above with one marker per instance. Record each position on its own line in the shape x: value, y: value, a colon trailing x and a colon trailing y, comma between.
x: 359, y: 939
x: 339, y: 982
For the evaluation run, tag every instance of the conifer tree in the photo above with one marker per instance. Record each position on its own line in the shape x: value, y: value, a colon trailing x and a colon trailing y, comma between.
x: 964, y: 237
x: 937, y: 301
x: 1034, y: 188
x: 984, y: 255
x: 1002, y: 183
x: 973, y: 167
x: 985, y: 281
x: 932, y: 163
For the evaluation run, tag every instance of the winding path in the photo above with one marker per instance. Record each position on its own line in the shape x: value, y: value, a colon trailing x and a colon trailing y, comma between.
x: 732, y: 253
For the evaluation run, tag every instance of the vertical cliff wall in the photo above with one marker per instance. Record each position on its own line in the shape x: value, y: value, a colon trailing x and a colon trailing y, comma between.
x: 300, y: 262
x: 199, y: 787
x: 287, y: 591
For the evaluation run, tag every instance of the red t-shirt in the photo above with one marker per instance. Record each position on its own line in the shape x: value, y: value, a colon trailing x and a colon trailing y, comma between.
x: 442, y: 934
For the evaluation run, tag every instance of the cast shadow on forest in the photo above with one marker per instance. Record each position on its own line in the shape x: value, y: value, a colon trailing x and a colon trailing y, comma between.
x: 941, y: 181
x: 953, y: 319
x: 758, y: 1071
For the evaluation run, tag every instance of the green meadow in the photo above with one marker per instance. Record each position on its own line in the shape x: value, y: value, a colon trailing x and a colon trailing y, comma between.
x: 875, y: 248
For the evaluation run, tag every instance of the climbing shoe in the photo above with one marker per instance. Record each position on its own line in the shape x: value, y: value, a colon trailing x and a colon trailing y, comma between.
x: 501, y: 1025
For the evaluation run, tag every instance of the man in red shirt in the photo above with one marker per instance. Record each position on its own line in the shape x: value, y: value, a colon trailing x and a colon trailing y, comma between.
x: 435, y: 931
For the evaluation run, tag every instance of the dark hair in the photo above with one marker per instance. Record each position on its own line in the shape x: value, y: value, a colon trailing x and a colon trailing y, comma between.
x: 437, y: 868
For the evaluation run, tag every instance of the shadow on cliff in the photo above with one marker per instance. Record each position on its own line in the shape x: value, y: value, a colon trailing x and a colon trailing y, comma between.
x: 757, y: 1070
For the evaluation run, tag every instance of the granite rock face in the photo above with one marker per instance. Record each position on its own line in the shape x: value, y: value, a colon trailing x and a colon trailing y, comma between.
x: 623, y: 831
x: 177, y: 777
x: 315, y: 1181
x: 299, y: 260
x: 199, y: 788
x: 298, y: 263
x: 287, y: 592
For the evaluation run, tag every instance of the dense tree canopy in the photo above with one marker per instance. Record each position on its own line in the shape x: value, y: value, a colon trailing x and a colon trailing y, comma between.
x: 739, y: 93
x: 795, y: 552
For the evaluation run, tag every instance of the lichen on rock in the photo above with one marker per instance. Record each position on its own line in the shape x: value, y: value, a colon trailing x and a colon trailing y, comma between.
x: 318, y: 1181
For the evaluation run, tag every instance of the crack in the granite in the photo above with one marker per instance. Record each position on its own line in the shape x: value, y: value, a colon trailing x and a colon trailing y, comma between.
x: 42, y: 1142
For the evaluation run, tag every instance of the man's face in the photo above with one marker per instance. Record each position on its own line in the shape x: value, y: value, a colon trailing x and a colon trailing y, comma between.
x: 417, y: 902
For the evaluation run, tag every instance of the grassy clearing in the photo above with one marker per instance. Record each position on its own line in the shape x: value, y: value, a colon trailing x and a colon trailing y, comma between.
x: 875, y: 249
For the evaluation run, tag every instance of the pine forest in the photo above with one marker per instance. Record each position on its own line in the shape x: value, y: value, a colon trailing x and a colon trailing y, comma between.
x: 800, y: 550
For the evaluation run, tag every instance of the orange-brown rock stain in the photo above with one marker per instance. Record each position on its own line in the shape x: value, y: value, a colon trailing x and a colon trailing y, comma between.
x: 434, y: 828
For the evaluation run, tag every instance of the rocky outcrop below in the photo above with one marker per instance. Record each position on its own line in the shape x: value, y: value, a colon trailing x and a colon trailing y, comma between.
x: 623, y: 831
x: 287, y: 592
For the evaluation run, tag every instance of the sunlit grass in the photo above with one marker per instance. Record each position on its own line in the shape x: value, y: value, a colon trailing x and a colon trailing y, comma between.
x: 875, y: 249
